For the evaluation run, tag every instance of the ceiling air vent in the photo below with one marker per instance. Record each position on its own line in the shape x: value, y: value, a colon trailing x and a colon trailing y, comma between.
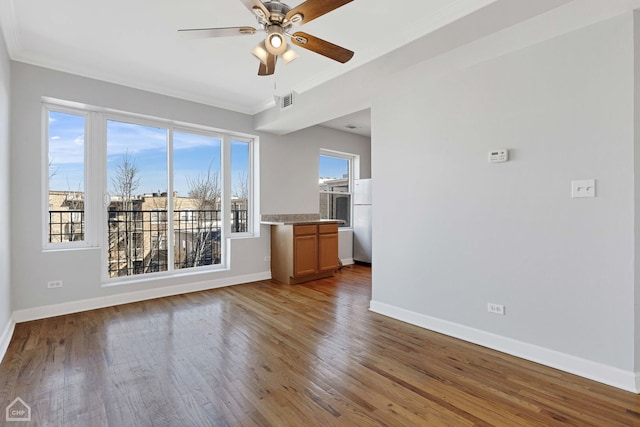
x: 286, y: 101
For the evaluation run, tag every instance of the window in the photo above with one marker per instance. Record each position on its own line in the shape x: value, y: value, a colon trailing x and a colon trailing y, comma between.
x: 137, y: 165
x: 65, y: 141
x: 240, y: 179
x: 187, y: 214
x: 158, y: 216
x: 335, y: 182
x: 137, y: 184
x: 172, y: 192
x: 197, y: 165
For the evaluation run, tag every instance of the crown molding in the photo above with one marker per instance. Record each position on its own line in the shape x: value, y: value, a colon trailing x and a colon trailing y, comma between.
x: 139, y: 84
x: 8, y: 24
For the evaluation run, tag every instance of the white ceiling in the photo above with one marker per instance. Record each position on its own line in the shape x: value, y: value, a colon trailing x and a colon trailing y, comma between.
x: 135, y: 43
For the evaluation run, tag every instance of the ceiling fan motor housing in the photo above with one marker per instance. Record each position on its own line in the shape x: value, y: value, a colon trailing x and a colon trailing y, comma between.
x: 277, y: 10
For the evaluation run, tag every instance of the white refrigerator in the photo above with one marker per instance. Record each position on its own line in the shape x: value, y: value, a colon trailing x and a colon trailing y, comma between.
x: 362, y: 207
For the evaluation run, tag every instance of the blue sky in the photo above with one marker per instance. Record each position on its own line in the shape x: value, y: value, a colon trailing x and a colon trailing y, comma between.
x: 66, y: 152
x: 333, y: 167
x: 145, y: 146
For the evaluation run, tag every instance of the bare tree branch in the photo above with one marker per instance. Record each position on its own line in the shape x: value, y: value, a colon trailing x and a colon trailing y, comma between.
x: 52, y: 172
x: 241, y: 187
x: 205, y: 191
x: 125, y: 182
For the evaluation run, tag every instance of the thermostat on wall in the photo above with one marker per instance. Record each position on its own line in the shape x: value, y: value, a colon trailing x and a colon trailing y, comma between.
x: 497, y: 156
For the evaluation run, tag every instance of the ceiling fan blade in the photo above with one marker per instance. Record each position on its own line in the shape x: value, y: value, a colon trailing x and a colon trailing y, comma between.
x: 205, y: 33
x: 252, y: 5
x: 322, y: 47
x: 312, y: 9
x: 269, y: 68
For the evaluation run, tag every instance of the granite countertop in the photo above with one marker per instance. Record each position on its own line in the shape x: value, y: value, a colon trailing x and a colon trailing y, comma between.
x: 294, y: 219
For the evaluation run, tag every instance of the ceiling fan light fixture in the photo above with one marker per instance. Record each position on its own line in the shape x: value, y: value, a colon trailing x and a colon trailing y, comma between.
x: 261, y: 52
x: 275, y: 41
x: 289, y: 55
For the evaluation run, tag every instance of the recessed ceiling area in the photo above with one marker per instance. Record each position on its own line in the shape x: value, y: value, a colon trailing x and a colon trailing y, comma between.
x: 358, y: 123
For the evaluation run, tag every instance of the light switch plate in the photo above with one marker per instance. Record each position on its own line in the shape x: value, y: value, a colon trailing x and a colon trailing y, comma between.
x: 583, y: 188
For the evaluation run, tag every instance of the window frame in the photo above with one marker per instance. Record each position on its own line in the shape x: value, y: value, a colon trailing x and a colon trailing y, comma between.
x: 96, y: 187
x: 354, y: 173
x: 89, y: 239
x: 250, y: 193
x: 225, y: 137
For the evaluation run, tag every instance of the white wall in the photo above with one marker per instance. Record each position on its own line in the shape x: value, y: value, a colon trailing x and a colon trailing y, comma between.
x: 472, y: 232
x: 289, y: 185
x: 637, y: 194
x: 5, y: 243
x: 295, y: 179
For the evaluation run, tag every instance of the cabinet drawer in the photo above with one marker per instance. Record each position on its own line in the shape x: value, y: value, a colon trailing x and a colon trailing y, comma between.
x: 328, y: 228
x: 301, y: 230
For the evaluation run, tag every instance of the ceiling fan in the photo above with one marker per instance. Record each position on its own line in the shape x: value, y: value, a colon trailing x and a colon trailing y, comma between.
x: 277, y: 20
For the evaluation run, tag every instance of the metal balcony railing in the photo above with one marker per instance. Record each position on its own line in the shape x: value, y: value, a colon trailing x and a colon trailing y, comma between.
x: 239, y: 221
x: 66, y: 226
x: 138, y: 240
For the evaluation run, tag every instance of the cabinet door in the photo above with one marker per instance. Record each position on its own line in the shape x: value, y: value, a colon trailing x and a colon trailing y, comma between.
x: 305, y: 255
x: 328, y: 252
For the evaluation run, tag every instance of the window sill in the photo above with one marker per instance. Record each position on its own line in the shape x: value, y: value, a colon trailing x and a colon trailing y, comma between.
x: 65, y: 248
x: 163, y: 276
x: 238, y: 236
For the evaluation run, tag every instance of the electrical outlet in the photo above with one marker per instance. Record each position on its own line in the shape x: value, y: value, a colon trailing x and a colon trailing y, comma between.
x: 54, y: 284
x: 495, y: 308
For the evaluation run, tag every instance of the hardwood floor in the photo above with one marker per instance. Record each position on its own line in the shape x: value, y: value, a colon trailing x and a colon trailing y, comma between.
x: 266, y: 354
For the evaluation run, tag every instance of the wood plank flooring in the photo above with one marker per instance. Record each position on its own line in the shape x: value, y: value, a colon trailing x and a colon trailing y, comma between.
x: 266, y: 354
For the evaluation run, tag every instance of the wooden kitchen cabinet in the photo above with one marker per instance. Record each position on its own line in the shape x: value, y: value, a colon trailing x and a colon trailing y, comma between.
x: 303, y: 252
x: 328, y: 247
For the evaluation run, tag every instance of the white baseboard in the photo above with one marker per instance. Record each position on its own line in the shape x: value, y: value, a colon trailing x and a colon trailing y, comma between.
x: 5, y: 337
x: 347, y: 261
x: 625, y: 380
x: 53, y: 310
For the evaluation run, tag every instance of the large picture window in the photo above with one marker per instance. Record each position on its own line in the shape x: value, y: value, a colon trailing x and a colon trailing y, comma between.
x: 171, y: 193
